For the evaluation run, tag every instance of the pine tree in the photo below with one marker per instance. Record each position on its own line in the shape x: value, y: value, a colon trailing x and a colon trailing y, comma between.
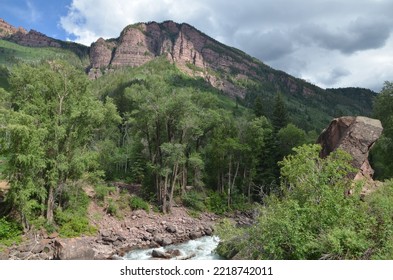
x: 280, y: 113
x: 258, y: 107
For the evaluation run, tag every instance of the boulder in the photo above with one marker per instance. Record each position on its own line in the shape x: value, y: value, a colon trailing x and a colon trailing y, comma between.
x: 160, y: 255
x: 356, y: 136
x: 5, y: 254
x: 195, y: 235
x: 166, y: 241
x: 171, y: 229
x: 73, y: 249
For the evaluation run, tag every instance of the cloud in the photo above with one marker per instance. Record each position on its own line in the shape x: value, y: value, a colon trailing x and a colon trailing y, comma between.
x: 334, y: 75
x: 317, y: 40
x: 360, y: 34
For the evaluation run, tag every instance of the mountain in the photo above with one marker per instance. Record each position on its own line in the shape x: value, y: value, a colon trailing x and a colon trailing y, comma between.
x: 35, y: 39
x: 230, y: 70
x: 233, y: 72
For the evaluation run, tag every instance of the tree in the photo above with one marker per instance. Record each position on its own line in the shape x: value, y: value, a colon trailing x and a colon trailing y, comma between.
x: 258, y: 107
x: 49, y: 134
x: 381, y: 153
x: 280, y: 113
x: 289, y: 137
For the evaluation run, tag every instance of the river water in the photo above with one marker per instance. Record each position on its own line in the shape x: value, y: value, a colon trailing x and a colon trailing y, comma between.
x: 203, y: 249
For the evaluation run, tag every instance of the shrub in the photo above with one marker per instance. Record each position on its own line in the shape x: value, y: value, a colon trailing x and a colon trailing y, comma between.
x: 195, y: 201
x: 112, y: 208
x: 10, y: 232
x: 72, y: 217
x: 217, y: 203
x: 103, y: 191
x: 138, y: 203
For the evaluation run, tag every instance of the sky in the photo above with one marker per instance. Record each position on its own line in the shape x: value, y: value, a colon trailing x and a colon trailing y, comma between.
x: 330, y: 43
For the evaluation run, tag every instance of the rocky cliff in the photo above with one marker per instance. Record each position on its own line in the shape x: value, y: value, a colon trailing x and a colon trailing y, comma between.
x: 7, y: 29
x: 193, y: 52
x: 355, y: 135
x: 33, y: 39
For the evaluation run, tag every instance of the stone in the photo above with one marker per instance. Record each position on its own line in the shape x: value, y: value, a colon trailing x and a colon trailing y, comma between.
x: 171, y: 229
x: 174, y: 253
x: 166, y: 241
x: 356, y: 136
x: 160, y: 255
x: 109, y: 239
x: 105, y: 233
x: 195, y: 234
x: 5, y: 254
x: 208, y: 231
x: 73, y: 249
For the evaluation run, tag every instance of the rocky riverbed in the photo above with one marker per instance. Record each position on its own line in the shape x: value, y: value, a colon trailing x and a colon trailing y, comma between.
x: 136, y: 230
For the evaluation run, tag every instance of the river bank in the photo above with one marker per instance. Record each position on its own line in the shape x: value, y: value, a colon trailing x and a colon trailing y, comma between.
x: 116, y: 237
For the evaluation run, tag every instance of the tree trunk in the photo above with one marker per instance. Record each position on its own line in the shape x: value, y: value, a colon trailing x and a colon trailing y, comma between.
x: 50, y: 205
x: 164, y: 195
x: 174, y: 179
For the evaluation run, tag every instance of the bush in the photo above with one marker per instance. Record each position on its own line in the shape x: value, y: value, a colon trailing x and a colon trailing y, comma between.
x: 313, y: 219
x: 103, y: 191
x: 217, y: 203
x: 112, y: 208
x: 72, y: 217
x: 195, y: 201
x: 138, y: 203
x: 10, y: 232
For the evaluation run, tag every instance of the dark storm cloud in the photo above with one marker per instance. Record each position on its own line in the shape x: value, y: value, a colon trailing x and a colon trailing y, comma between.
x: 361, y: 34
x: 335, y: 75
x: 267, y: 46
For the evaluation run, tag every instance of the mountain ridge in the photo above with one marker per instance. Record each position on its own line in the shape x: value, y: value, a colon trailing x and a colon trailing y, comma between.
x: 232, y: 71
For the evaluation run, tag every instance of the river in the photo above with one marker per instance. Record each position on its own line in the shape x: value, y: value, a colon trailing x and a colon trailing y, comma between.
x: 201, y: 249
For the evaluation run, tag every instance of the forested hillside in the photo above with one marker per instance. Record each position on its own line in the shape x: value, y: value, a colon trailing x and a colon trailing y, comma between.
x: 67, y: 141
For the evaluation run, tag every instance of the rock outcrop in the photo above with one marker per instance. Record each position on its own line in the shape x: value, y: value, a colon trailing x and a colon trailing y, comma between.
x: 355, y: 135
x: 33, y: 39
x: 7, y: 29
x: 192, y: 51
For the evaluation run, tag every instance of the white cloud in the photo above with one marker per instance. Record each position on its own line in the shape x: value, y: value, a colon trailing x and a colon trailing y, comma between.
x: 331, y: 43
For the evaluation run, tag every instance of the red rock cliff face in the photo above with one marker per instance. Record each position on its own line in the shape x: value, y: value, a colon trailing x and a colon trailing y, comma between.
x: 33, y: 39
x: 7, y: 29
x: 192, y: 51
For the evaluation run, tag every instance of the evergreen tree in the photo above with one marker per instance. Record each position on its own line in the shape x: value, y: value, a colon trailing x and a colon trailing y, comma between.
x: 280, y: 113
x: 258, y: 107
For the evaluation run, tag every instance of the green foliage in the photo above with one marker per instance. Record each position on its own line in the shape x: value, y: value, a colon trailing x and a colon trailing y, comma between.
x: 288, y: 138
x: 138, y: 203
x: 195, y: 200
x: 72, y: 218
x: 102, y: 191
x: 217, y: 203
x: 12, y: 53
x: 112, y: 208
x: 49, y: 130
x: 381, y: 154
x: 10, y: 232
x: 380, y: 209
x: 313, y: 219
x: 280, y: 113
x: 232, y: 240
